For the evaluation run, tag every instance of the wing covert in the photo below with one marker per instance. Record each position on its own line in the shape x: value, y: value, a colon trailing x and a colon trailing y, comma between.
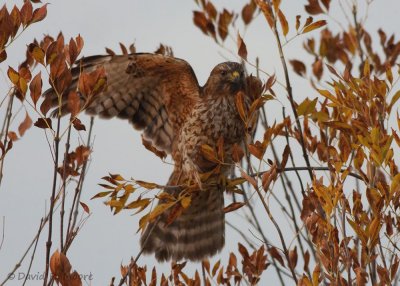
x: 154, y: 92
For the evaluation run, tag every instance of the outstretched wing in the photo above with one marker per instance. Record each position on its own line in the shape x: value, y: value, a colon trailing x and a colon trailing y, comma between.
x: 154, y: 92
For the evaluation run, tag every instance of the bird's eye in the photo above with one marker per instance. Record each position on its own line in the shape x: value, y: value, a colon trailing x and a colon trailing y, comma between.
x: 223, y: 72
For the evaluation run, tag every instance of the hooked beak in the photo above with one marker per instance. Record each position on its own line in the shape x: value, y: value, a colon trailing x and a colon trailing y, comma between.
x: 235, y: 76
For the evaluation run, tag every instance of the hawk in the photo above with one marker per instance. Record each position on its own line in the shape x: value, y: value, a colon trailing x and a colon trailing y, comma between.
x: 160, y: 96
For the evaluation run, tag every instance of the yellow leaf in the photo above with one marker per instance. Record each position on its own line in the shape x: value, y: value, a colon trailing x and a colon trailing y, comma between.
x: 139, y: 203
x: 159, y: 209
x: 395, y: 98
x: 144, y: 220
x: 307, y: 107
x: 114, y: 203
x: 373, y: 231
x: 101, y: 194
x: 13, y: 75
x: 366, y: 71
x: 146, y: 185
x: 185, y: 202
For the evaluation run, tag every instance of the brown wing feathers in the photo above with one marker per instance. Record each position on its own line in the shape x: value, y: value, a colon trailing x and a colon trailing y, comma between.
x: 153, y: 92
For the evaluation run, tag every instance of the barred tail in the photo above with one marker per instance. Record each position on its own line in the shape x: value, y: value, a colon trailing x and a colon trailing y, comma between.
x: 199, y: 232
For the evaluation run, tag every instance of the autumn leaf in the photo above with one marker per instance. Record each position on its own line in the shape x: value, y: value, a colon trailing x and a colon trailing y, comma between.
x: 242, y: 50
x: 284, y: 22
x: 185, y: 202
x: 39, y: 14
x: 25, y: 125
x: 314, y: 26
x: 43, y: 123
x: 35, y: 88
x: 248, y: 12
x: 233, y: 206
x: 149, y: 146
x: 85, y: 207
x: 224, y: 20
x: 299, y: 67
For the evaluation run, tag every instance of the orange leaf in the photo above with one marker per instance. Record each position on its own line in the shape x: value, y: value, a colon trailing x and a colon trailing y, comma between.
x: 39, y: 14
x: 73, y: 103
x: 147, y: 144
x: 299, y: 67
x: 284, y: 22
x: 314, y: 26
x: 35, y: 88
x: 242, y: 50
x: 25, y: 125
x: 233, y: 206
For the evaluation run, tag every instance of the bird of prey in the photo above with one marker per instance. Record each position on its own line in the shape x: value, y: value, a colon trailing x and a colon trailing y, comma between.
x: 160, y: 96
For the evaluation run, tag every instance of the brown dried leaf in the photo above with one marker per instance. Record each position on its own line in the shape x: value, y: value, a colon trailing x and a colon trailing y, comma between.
x: 233, y: 206
x: 43, y: 123
x: 242, y: 49
x: 299, y: 67
x: 78, y: 124
x: 25, y: 125
x: 237, y: 153
x: 285, y: 157
x: 313, y: 7
x: 298, y: 17
x: 293, y: 257
x: 12, y: 136
x: 149, y: 146
x: 85, y: 207
x: 200, y: 20
x: 26, y: 13
x: 266, y: 9
x: 224, y: 20
x: 284, y: 22
x: 276, y: 255
x: 73, y: 103
x: 37, y: 53
x: 209, y: 153
x: 211, y: 11
x: 35, y: 88
x: 314, y: 26
x: 46, y: 105
x: 248, y: 12
x: 39, y: 14
x: 317, y: 68
x: 3, y: 56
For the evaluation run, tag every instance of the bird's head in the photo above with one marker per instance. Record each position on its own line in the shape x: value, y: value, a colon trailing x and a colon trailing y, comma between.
x: 227, y: 78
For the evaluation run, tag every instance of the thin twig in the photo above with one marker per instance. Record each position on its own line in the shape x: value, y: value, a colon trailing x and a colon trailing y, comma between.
x: 34, y: 251
x: 18, y: 264
x: 358, y: 32
x: 291, y: 98
x: 62, y: 211
x: 292, y: 159
x: 242, y: 234
x: 123, y: 279
x: 78, y: 190
x: 52, y: 200
x: 5, y: 128
x: 3, y: 232
x: 285, y: 250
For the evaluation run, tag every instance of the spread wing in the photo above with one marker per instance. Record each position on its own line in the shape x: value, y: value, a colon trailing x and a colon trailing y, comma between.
x: 154, y: 92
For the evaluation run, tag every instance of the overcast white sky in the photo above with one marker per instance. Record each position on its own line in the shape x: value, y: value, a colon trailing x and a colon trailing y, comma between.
x: 106, y: 241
